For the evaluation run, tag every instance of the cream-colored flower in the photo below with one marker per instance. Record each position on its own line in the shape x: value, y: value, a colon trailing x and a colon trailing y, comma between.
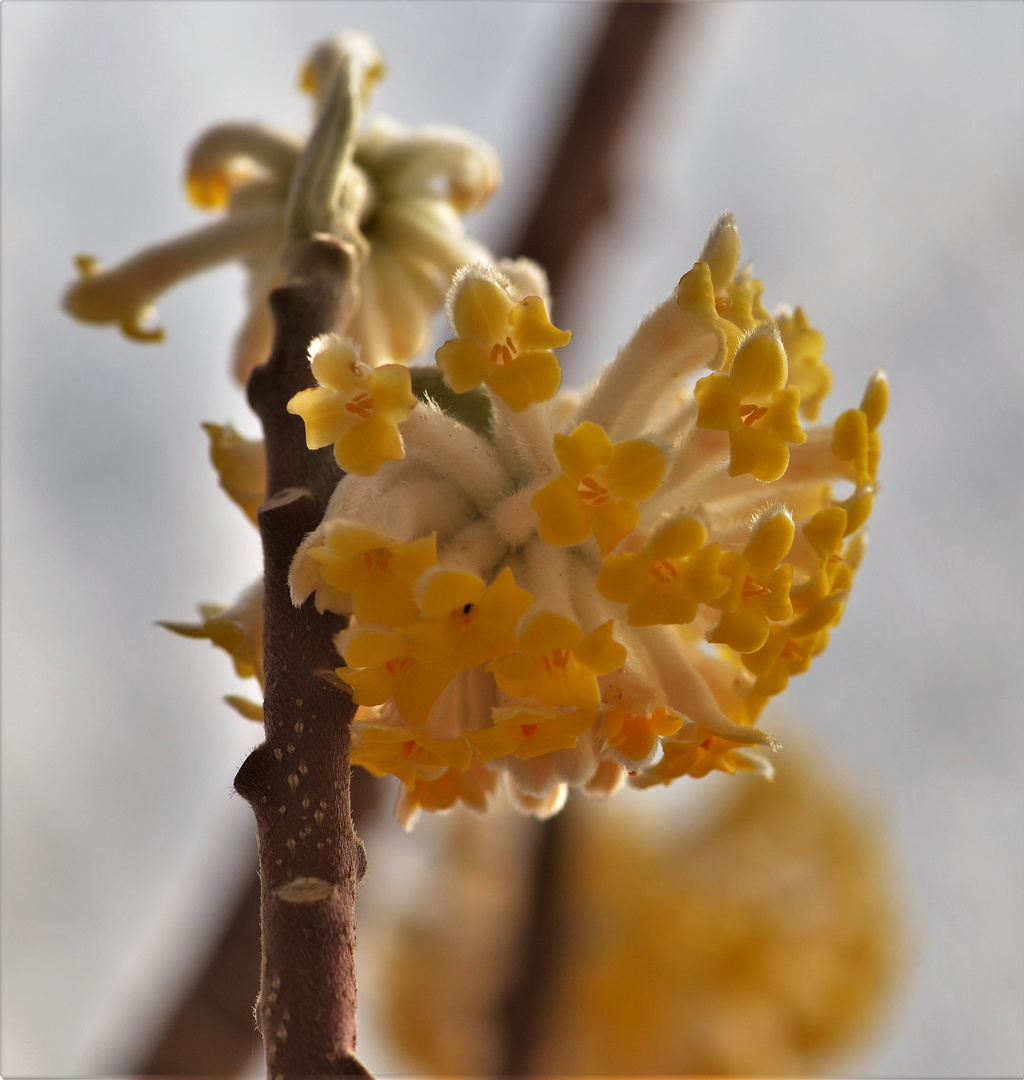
x: 401, y: 199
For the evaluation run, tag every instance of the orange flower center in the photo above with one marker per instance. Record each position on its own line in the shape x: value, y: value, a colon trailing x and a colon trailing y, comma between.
x: 556, y: 661
x: 591, y: 492
x: 377, y: 559
x: 361, y: 405
x: 664, y: 571
x: 722, y: 303
x: 503, y: 354
x: 752, y: 413
x: 529, y: 730
x: 409, y: 747
x: 752, y: 588
x: 401, y: 665
x: 790, y: 651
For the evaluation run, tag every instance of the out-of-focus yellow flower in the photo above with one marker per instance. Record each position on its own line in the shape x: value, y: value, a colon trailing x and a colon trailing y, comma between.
x: 599, y: 489
x: 400, y: 202
x: 754, y: 404
x: 764, y: 943
x: 238, y: 630
x: 241, y: 466
x: 502, y: 341
x: 356, y: 408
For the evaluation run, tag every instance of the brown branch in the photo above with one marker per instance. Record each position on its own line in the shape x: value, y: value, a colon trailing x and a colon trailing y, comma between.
x: 297, y: 780
x: 579, y: 190
x: 211, y: 1030
x: 580, y: 187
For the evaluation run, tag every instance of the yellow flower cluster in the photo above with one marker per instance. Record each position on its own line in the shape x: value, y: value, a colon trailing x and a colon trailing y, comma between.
x: 764, y: 943
x: 588, y: 588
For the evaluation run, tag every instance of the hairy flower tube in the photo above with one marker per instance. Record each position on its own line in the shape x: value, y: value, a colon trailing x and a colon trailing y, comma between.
x: 400, y: 201
x: 584, y: 589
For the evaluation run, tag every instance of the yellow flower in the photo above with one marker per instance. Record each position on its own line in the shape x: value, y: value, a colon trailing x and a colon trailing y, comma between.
x: 807, y: 371
x: 473, y: 786
x: 241, y: 466
x: 754, y: 404
x: 669, y: 578
x: 529, y: 731
x: 355, y: 407
x: 764, y: 582
x: 557, y: 664
x: 406, y: 753
x: 377, y: 571
x: 466, y: 622
x: 599, y: 489
x: 855, y: 436
x: 237, y: 629
x: 382, y: 665
x: 634, y: 735
x: 503, y: 342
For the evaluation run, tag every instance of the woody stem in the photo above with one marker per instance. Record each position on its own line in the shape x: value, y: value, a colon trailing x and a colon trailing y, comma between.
x: 297, y: 780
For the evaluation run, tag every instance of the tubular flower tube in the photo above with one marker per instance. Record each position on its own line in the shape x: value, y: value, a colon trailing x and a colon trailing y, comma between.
x: 581, y: 590
x: 400, y: 201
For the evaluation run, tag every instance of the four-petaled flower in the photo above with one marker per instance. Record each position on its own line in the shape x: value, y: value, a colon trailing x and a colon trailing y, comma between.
x: 753, y: 403
x: 466, y: 622
x: 669, y: 578
x: 356, y: 408
x: 635, y: 734
x: 529, y: 731
x: 557, y: 664
x: 761, y: 584
x: 369, y: 573
x: 406, y: 753
x: 382, y: 664
x: 599, y: 489
x: 502, y: 341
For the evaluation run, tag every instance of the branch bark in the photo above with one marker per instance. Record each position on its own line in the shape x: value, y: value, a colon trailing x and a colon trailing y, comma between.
x: 297, y: 780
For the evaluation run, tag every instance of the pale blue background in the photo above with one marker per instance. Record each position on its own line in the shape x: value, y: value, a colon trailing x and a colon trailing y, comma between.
x: 873, y: 155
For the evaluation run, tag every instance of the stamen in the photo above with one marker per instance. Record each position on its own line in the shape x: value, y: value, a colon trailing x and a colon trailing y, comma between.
x: 409, y: 747
x: 591, y: 492
x: 401, y: 665
x: 361, y: 405
x: 529, y: 730
x: 663, y: 571
x: 377, y: 559
x: 557, y: 660
x: 752, y: 413
x: 752, y: 588
x: 790, y: 651
x: 503, y: 354
x: 722, y: 303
